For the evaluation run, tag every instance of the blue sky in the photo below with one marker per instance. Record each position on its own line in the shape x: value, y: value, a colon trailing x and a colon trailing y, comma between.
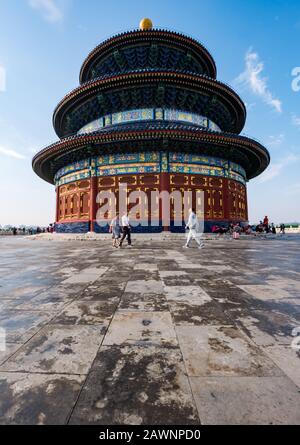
x: 44, y: 42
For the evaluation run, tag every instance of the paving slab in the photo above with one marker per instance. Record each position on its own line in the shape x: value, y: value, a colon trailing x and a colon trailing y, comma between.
x: 144, y: 287
x: 145, y: 302
x: 37, y: 399
x: 20, y: 326
x: 135, y: 385
x: 8, y: 350
x: 141, y: 328
x: 287, y: 359
x: 222, y: 351
x: 246, y: 400
x: 87, y: 313
x: 87, y: 275
x: 265, y: 292
x: 58, y: 349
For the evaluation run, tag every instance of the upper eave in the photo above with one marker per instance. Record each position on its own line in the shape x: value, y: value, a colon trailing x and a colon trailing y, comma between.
x: 138, y: 36
x: 192, y: 81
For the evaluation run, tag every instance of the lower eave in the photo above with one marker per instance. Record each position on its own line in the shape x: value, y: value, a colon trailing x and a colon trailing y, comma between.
x: 42, y: 161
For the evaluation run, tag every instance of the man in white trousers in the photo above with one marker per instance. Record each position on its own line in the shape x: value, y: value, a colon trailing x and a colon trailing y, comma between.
x: 193, y: 227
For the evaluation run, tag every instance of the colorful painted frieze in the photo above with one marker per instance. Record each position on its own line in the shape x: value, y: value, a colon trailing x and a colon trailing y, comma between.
x: 196, y: 169
x: 149, y: 156
x: 142, y: 114
x: 80, y: 165
x: 164, y: 161
x: 150, y: 162
x: 127, y: 169
x: 237, y: 168
x: 92, y: 126
x: 197, y: 159
x: 73, y: 177
x: 236, y: 177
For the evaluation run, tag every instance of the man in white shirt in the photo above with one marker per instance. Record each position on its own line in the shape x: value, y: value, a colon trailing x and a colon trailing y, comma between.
x: 126, y: 230
x: 193, y: 226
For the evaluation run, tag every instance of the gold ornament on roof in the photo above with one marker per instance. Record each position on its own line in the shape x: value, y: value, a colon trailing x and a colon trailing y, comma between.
x: 146, y: 24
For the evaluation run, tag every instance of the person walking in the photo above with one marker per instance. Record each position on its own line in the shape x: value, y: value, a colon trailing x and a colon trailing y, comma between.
x: 114, y: 228
x: 193, y: 227
x: 126, y: 230
x: 282, y: 229
x: 266, y: 224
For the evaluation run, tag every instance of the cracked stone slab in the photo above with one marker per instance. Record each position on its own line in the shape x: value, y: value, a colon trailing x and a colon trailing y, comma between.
x: 193, y: 295
x: 287, y: 359
x: 58, y: 349
x: 167, y: 265
x: 10, y: 349
x: 144, y: 287
x: 187, y: 266
x: 37, y: 399
x: 103, y: 290
x: 136, y: 385
x: 267, y: 328
x: 148, y: 302
x: 87, y: 313
x: 48, y: 302
x: 209, y: 313
x: 265, y: 292
x: 141, y: 328
x: 83, y: 277
x: 217, y: 269
x: 144, y: 275
x: 21, y: 326
x: 152, y: 267
x: 222, y: 351
x: 172, y: 273
x: 288, y: 284
x: 246, y: 400
x: 178, y: 281
x: 20, y: 292
x: 87, y: 275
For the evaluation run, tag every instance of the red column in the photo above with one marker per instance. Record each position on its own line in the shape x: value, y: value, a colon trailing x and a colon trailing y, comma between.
x: 57, y: 205
x: 93, y: 204
x: 226, y: 199
x: 164, y: 186
x: 246, y: 203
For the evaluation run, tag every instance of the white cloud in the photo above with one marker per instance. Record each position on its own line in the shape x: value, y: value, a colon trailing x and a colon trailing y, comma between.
x: 49, y: 9
x: 250, y: 106
x: 275, y: 141
x: 296, y: 120
x: 10, y: 153
x: 276, y: 168
x: 252, y: 79
x: 2, y: 79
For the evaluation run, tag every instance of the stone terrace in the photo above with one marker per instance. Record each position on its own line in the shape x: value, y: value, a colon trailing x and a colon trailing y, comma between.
x: 154, y: 334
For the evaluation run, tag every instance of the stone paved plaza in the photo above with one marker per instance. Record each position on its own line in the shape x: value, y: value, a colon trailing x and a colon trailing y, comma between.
x: 155, y: 334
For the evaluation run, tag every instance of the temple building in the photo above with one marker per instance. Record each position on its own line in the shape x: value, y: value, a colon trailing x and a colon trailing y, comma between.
x: 150, y: 113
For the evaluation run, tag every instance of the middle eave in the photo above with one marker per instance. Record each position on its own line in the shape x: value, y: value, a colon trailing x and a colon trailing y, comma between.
x: 78, y: 100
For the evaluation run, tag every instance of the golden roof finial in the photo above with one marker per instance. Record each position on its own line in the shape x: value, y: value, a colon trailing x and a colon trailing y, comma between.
x: 146, y: 24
